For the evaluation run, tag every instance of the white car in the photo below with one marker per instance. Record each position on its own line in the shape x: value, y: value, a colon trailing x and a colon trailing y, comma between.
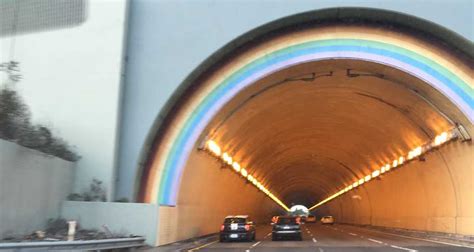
x: 327, y: 220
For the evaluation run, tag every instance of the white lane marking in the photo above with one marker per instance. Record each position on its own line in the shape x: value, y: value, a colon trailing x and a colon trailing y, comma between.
x: 420, y: 239
x: 314, y: 240
x: 307, y: 232
x: 200, y: 247
x: 352, y: 234
x: 377, y: 241
x: 256, y: 244
x: 402, y: 248
x: 247, y: 250
x: 321, y: 250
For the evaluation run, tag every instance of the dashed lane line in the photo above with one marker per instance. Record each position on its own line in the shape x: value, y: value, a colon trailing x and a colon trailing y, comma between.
x: 321, y: 250
x: 255, y: 244
x: 377, y: 241
x: 427, y: 240
x: 402, y: 248
x: 314, y: 240
x: 352, y: 234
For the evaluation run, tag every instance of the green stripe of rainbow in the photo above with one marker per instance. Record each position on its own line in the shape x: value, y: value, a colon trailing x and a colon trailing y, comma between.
x: 441, y: 78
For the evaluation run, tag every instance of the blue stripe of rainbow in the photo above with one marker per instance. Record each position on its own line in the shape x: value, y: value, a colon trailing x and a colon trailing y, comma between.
x: 458, y: 91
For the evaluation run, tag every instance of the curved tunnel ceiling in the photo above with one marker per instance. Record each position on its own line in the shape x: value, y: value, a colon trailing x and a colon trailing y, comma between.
x: 310, y: 130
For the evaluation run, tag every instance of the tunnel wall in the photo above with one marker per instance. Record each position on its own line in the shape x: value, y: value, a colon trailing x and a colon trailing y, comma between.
x: 432, y: 195
x: 207, y: 195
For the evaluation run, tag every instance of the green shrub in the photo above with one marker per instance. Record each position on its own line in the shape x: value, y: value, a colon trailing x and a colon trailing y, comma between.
x: 15, y: 122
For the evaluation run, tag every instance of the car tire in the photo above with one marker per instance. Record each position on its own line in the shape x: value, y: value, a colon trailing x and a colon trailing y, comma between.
x: 254, y: 235
x: 249, y: 238
x: 221, y: 239
x: 274, y: 238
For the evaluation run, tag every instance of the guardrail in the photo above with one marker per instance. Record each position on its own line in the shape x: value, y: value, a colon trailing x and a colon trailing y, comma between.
x: 73, y: 245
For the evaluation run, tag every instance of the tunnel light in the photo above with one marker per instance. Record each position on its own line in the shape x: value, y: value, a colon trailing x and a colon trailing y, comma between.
x: 226, y: 157
x: 236, y: 166
x: 255, y: 182
x: 395, y: 163
x: 367, y: 178
x: 401, y: 160
x: 243, y: 172
x: 250, y: 178
x: 361, y: 181
x: 387, y: 167
x: 355, y: 184
x: 382, y: 169
x: 214, y: 148
x: 415, y: 152
x: 441, y: 138
x: 376, y: 173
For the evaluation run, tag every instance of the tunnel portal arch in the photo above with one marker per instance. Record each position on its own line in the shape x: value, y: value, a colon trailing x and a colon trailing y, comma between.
x: 420, y: 48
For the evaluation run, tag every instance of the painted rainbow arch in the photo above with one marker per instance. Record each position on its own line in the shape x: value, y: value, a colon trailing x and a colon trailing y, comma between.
x: 458, y: 88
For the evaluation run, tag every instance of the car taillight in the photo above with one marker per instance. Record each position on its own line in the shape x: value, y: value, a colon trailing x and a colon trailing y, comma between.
x: 222, y: 227
x: 247, y: 227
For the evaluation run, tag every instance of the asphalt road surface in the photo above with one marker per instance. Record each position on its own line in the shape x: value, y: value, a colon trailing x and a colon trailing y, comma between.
x: 321, y: 238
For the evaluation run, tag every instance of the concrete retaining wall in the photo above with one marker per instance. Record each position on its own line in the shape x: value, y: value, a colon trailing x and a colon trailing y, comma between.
x: 120, y: 218
x: 32, y: 186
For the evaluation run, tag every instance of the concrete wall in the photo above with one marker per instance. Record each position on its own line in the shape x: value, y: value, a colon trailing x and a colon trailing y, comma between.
x: 208, y: 194
x: 120, y: 218
x: 32, y: 186
x: 435, y: 195
x: 70, y: 72
x: 165, y: 45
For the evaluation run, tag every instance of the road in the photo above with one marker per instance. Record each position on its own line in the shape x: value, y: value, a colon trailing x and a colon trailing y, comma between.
x: 320, y: 238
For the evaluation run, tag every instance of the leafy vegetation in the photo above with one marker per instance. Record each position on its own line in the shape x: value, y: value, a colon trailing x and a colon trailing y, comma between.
x: 95, y: 193
x: 15, y: 121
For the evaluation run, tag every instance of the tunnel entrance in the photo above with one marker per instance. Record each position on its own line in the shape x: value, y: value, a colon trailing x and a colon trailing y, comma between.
x: 364, y: 121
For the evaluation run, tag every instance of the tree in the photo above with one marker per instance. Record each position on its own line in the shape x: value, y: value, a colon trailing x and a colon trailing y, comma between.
x: 15, y: 122
x: 14, y: 114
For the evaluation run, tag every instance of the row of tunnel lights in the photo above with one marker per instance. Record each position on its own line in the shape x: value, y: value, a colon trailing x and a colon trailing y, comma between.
x: 440, y: 139
x: 416, y: 152
x: 215, y: 150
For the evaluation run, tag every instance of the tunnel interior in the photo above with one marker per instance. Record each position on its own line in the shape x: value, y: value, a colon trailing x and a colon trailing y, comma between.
x: 310, y: 130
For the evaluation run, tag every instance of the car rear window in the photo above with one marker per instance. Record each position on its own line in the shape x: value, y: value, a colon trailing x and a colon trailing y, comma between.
x: 234, y: 220
x: 286, y: 221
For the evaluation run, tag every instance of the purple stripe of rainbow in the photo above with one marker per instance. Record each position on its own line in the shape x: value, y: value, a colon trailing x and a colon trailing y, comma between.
x: 458, y: 91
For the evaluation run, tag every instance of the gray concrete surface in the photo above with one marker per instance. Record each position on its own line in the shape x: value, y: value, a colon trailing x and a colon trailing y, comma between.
x: 32, y: 186
x: 119, y: 218
x: 317, y: 237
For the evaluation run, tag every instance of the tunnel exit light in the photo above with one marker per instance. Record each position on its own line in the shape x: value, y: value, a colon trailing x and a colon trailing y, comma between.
x: 213, y: 148
x: 415, y: 152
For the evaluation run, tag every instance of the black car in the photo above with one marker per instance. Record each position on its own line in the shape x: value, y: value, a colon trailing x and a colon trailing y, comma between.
x: 238, y: 227
x: 286, y: 227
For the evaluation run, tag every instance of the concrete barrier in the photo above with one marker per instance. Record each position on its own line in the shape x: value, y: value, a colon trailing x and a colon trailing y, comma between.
x: 32, y: 187
x: 119, y: 218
